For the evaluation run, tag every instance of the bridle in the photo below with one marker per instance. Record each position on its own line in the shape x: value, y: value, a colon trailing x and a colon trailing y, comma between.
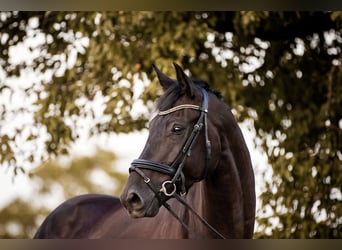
x: 176, y: 168
x: 176, y: 186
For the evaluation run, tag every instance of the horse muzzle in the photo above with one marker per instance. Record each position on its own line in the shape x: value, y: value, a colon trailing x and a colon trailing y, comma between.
x: 140, y: 205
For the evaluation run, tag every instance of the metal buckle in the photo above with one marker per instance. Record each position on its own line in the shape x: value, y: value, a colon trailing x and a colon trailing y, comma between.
x: 164, y: 189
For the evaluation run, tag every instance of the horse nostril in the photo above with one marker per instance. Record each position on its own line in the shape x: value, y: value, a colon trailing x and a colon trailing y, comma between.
x: 134, y: 200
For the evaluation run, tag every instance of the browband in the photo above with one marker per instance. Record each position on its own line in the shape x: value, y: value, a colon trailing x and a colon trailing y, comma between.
x: 179, y: 107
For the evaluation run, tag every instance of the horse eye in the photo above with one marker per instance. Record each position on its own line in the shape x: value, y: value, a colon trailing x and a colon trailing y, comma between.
x: 177, y: 129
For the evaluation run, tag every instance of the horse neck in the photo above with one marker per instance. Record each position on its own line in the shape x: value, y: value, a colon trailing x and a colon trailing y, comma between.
x: 224, y: 205
x: 230, y: 206
x: 218, y: 205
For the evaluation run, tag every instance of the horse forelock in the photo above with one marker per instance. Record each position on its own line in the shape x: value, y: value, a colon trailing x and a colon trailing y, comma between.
x: 172, y: 94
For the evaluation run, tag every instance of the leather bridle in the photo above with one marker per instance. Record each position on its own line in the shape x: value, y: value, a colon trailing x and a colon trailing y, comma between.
x: 176, y: 186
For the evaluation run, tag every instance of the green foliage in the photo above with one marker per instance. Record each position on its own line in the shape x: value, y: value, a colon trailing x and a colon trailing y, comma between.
x: 19, y: 219
x: 296, y: 94
x: 281, y: 69
x: 79, y: 175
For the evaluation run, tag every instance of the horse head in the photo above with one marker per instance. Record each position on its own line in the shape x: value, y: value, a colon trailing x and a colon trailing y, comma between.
x: 178, y: 151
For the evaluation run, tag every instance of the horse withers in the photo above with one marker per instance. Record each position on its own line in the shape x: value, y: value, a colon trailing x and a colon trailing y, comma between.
x: 193, y: 179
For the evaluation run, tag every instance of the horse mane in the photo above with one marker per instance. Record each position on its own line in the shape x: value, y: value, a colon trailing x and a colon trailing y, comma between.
x: 175, y: 92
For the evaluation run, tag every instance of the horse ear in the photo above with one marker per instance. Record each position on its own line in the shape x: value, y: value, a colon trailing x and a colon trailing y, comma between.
x: 164, y: 80
x: 184, y: 81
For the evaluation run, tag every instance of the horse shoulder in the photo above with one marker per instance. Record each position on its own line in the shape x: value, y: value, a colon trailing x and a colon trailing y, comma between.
x: 76, y: 217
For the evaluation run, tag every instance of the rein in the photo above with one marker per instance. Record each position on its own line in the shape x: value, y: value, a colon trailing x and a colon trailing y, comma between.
x: 176, y: 186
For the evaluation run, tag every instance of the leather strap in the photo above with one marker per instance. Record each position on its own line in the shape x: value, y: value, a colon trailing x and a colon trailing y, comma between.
x: 151, y: 165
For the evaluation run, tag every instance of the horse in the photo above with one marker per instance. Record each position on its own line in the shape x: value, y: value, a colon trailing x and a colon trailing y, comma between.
x: 193, y: 179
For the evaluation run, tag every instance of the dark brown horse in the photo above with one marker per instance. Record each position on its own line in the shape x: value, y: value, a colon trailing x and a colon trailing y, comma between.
x: 194, y: 178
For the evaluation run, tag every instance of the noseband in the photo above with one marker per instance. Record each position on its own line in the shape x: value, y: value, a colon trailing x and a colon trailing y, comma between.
x: 175, y: 170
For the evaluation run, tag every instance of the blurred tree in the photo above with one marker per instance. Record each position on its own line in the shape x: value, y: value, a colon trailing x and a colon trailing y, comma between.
x: 281, y: 69
x: 61, y: 179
